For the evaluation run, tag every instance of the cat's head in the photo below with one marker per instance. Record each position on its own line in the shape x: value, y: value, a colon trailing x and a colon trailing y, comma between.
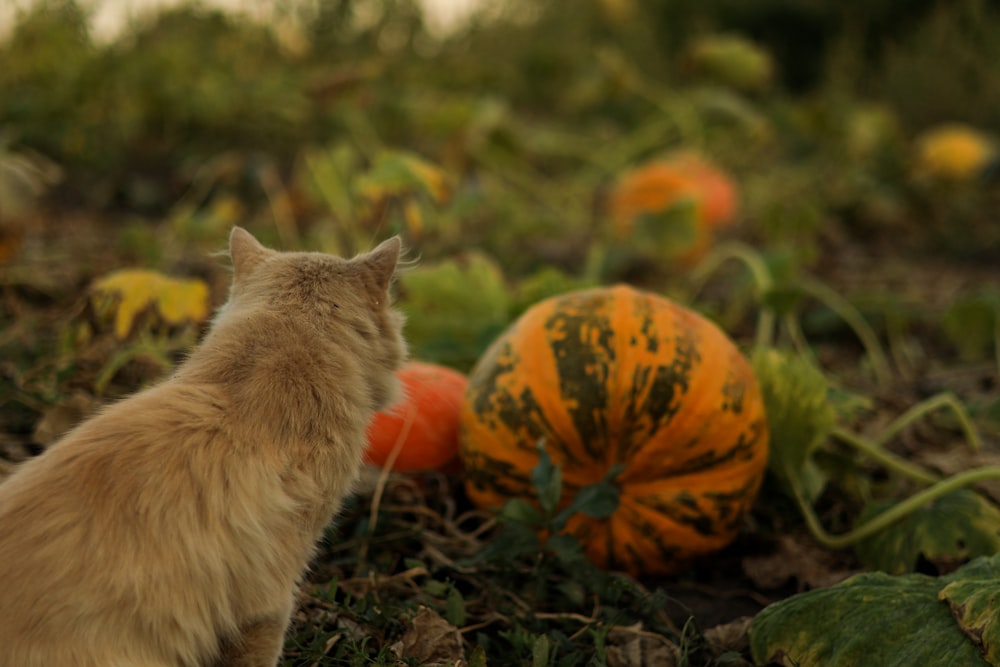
x: 343, y: 300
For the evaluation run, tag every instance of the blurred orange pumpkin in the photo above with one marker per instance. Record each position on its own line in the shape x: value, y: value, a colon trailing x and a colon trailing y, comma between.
x: 953, y: 152
x: 665, y: 185
x: 425, y: 421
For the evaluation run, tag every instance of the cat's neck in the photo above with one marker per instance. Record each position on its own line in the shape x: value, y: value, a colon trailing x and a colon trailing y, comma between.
x: 282, y: 376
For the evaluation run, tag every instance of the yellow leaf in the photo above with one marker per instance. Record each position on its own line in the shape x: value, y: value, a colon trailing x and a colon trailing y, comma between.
x: 396, y: 173
x: 414, y: 218
x: 126, y: 294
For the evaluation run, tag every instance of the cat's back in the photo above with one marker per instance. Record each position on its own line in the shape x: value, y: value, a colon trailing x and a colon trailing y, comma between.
x: 112, y: 516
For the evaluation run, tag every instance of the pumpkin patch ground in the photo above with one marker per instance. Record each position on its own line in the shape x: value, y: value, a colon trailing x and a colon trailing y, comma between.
x: 704, y: 318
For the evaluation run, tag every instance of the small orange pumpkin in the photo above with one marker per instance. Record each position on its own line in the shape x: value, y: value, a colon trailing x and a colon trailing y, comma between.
x: 661, y: 185
x: 618, y: 375
x: 424, y: 424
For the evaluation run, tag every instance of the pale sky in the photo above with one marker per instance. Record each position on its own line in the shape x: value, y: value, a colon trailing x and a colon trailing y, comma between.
x: 112, y: 15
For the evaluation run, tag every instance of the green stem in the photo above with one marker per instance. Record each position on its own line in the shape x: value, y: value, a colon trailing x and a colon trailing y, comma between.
x: 738, y: 251
x: 847, y: 312
x: 996, y: 337
x: 759, y: 272
x: 764, y: 334
x: 894, y: 513
x: 798, y: 338
x: 943, y: 400
x: 885, y: 457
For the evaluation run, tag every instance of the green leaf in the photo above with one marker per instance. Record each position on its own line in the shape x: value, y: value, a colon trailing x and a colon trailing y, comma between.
x: 600, y: 500
x: 784, y: 299
x: 954, y: 528
x: 547, y: 479
x: 971, y: 325
x: 974, y: 599
x: 436, y: 588
x: 516, y: 540
x: 566, y: 549
x: 541, y: 649
x: 521, y: 511
x: 454, y: 608
x: 800, y: 416
x: 478, y: 657
x: 873, y: 619
x: 547, y: 281
x: 669, y: 233
x: 454, y: 308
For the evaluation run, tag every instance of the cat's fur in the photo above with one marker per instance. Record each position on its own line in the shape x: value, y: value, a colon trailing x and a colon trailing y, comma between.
x: 171, y: 529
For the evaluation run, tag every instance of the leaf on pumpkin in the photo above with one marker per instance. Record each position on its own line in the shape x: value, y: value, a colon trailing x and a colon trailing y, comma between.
x: 123, y: 296
x: 871, y: 619
x: 800, y: 416
x: 947, y: 531
x: 975, y: 604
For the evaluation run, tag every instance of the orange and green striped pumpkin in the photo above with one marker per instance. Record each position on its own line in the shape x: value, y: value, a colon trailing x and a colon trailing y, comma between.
x: 618, y: 375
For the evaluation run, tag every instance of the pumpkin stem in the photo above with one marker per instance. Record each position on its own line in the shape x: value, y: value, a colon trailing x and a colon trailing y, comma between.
x: 891, y: 515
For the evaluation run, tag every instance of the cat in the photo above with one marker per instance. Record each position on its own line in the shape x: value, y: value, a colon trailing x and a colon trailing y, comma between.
x: 172, y: 529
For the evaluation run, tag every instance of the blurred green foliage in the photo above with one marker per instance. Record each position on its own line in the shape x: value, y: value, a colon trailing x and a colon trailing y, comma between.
x: 330, y: 124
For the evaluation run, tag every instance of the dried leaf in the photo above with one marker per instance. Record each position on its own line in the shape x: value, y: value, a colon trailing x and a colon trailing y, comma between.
x: 975, y: 603
x: 431, y: 640
x: 809, y: 565
x: 125, y: 295
x: 631, y: 647
x: 729, y: 637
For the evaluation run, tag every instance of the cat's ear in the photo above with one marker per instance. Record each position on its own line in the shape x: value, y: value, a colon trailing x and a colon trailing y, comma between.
x: 382, y: 261
x: 245, y: 251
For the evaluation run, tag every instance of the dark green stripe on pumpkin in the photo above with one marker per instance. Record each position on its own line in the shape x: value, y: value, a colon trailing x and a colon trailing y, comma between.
x: 495, y: 405
x: 583, y: 362
x: 489, y: 474
x: 734, y: 390
x: 644, y: 530
x: 498, y: 361
x: 731, y: 507
x: 667, y: 384
x: 682, y: 508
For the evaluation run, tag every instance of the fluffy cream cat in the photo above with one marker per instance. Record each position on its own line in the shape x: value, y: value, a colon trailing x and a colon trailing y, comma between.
x: 171, y: 529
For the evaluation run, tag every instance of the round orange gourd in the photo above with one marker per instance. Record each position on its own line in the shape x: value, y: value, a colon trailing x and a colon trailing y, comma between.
x: 618, y: 375
x: 426, y: 420
x: 659, y: 185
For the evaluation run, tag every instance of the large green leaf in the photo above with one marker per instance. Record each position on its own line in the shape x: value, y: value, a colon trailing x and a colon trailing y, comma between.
x: 881, y: 620
x: 951, y: 529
